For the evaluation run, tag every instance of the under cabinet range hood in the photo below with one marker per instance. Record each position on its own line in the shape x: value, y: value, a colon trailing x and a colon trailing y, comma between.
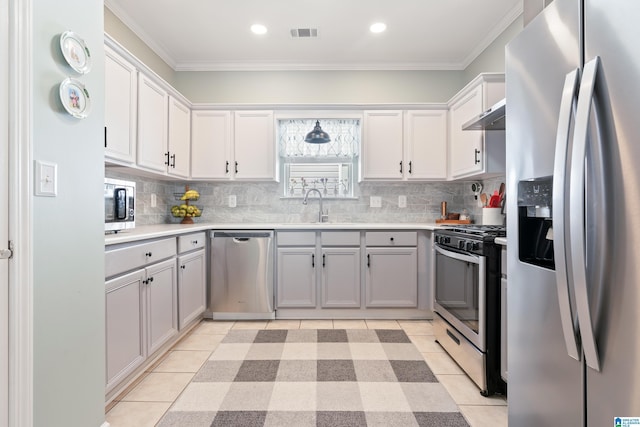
x: 492, y: 119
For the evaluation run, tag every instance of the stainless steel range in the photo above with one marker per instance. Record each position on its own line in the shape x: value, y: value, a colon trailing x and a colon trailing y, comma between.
x: 467, y: 301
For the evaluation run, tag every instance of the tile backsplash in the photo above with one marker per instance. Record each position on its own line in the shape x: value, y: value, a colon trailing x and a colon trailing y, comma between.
x: 262, y: 202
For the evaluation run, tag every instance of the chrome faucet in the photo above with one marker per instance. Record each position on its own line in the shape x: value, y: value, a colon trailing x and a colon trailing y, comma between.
x: 322, y: 215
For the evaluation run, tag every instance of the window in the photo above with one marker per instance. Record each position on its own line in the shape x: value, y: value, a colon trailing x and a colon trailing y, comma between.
x: 330, y: 167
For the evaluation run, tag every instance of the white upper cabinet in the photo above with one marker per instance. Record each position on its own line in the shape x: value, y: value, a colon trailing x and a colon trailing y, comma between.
x: 164, y: 130
x: 476, y: 152
x: 211, y: 145
x: 413, y: 147
x: 382, y: 154
x: 152, y: 125
x: 179, y: 138
x: 121, y: 98
x: 254, y: 146
x: 426, y: 145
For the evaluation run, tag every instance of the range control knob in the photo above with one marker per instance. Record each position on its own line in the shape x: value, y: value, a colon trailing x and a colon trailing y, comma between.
x: 471, y: 246
x: 461, y: 244
x: 447, y: 240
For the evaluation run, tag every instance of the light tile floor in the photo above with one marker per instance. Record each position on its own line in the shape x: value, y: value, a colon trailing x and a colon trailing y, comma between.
x: 144, y: 403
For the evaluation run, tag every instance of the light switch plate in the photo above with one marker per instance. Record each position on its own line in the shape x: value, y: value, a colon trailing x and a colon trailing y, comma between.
x: 46, y: 181
x: 232, y: 201
x: 375, y: 202
x: 402, y: 201
x: 154, y: 201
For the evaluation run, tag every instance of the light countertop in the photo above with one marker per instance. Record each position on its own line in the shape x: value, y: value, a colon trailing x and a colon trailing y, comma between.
x: 165, y: 230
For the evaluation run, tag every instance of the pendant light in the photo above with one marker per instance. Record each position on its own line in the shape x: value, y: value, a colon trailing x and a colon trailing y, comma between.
x: 317, y: 135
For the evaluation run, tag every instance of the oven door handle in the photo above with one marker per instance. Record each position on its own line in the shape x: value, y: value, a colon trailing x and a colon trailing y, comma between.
x: 474, y: 259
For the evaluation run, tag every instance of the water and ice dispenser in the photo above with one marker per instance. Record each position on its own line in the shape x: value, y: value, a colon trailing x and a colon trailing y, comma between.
x: 535, y: 227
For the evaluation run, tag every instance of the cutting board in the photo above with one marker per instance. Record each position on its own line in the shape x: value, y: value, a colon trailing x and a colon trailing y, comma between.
x: 453, y: 221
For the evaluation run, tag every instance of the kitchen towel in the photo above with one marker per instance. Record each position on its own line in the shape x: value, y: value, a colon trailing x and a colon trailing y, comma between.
x: 324, y: 377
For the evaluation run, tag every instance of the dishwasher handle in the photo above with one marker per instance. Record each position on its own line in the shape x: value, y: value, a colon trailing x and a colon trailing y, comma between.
x: 242, y: 236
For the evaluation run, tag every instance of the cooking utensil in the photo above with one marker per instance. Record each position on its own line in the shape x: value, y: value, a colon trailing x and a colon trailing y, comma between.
x: 494, y: 201
x: 501, y: 190
x: 483, y: 200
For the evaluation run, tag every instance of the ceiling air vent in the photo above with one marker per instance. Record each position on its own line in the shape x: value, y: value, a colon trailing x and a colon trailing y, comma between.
x: 304, y: 32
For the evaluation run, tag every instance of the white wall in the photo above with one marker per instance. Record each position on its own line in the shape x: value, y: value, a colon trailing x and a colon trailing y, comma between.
x: 492, y: 58
x: 68, y: 230
x: 319, y: 87
x: 120, y: 32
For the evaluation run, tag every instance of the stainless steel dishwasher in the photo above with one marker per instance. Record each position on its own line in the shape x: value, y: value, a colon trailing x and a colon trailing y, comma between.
x: 241, y: 275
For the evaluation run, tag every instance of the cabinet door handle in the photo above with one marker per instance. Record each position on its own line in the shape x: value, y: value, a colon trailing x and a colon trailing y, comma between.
x: 105, y: 137
x: 313, y: 260
x: 173, y: 158
x: 409, y: 166
x: 323, y: 260
x: 476, y: 152
x: 226, y: 167
x: 183, y: 267
x: 150, y: 279
x: 166, y: 162
x: 368, y: 260
x: 236, y: 167
x: 400, y: 166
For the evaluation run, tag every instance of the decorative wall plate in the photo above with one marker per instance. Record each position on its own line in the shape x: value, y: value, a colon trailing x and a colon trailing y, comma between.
x: 75, y: 98
x: 75, y: 52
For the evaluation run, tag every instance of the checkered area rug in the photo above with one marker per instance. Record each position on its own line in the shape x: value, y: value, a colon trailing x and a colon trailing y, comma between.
x: 299, y: 378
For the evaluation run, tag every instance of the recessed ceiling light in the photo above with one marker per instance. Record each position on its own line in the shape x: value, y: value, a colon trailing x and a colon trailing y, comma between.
x: 258, y: 29
x: 378, y: 27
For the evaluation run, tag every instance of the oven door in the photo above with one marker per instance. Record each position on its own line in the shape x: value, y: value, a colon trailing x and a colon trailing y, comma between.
x: 460, y: 281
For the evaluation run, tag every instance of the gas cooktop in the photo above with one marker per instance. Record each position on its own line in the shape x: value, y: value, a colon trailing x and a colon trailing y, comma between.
x: 481, y: 230
x: 472, y: 238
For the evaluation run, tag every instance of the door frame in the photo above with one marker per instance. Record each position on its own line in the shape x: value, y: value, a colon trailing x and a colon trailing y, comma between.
x: 4, y: 214
x: 20, y: 94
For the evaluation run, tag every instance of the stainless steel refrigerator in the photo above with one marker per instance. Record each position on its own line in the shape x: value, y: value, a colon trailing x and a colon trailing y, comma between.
x: 573, y: 220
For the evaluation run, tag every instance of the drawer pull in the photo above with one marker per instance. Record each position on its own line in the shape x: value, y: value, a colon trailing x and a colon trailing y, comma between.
x: 148, y: 254
x: 453, y: 337
x: 194, y: 242
x: 391, y: 238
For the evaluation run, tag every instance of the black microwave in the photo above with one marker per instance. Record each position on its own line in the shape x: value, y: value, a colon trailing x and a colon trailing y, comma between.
x: 119, y: 205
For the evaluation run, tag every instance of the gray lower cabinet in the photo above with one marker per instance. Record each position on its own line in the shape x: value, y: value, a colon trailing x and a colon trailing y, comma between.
x: 391, y: 269
x: 141, y: 316
x: 141, y: 305
x: 296, y: 282
x: 392, y: 277
x: 341, y: 277
x: 191, y: 287
x: 125, y: 331
x: 162, y: 303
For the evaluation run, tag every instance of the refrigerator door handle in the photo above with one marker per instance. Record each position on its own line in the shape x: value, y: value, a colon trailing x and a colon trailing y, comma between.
x: 560, y: 168
x: 577, y: 211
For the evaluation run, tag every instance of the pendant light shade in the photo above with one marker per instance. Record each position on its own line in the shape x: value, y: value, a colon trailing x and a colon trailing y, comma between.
x: 317, y: 135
